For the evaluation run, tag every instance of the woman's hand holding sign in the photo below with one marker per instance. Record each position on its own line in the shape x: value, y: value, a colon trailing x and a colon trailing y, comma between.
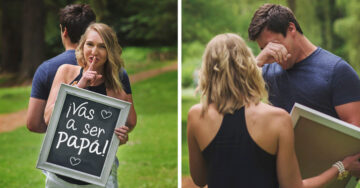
x: 122, y: 134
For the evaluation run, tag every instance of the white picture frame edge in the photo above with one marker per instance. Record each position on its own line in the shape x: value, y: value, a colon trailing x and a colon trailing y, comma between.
x: 48, y: 139
x: 300, y: 110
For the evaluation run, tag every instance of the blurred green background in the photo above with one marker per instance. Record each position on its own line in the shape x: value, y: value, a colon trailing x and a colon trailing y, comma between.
x: 330, y: 24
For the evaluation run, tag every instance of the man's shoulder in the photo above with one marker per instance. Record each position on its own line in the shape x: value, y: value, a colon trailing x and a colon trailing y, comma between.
x: 67, y: 57
x: 325, y: 57
x: 270, y: 70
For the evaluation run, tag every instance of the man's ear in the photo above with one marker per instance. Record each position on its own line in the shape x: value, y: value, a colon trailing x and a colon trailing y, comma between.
x: 291, y: 29
x: 64, y: 32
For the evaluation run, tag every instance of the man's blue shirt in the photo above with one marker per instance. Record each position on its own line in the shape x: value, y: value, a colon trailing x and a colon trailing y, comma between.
x: 45, y: 73
x: 321, y: 81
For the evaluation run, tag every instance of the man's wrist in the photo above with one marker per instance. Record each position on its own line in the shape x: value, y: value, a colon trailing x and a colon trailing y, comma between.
x: 259, y: 64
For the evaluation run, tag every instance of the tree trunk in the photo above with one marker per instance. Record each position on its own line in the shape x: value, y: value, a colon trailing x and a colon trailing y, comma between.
x: 32, y: 37
x: 11, y: 36
x: 292, y: 5
x: 327, y: 13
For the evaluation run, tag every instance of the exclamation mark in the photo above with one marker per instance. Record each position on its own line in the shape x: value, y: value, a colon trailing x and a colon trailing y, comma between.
x: 106, y: 144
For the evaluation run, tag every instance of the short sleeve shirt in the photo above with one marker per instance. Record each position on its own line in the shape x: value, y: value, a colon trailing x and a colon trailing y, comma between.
x: 321, y: 81
x: 45, y: 73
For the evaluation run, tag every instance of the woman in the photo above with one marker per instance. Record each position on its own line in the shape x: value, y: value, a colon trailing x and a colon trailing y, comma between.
x: 98, y: 56
x: 236, y: 140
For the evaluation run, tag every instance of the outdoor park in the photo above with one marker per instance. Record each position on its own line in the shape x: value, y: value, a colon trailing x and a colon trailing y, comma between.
x: 330, y: 24
x: 149, y: 159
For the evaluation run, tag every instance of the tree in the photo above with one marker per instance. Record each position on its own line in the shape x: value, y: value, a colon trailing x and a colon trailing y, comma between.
x: 11, y: 36
x: 292, y: 5
x: 33, y: 37
x: 327, y: 12
x: 348, y: 28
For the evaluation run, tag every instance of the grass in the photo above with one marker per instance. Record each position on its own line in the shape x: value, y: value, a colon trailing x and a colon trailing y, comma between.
x: 149, y: 159
x: 188, y: 100
x: 138, y: 59
x: 14, y: 99
x: 20, y: 150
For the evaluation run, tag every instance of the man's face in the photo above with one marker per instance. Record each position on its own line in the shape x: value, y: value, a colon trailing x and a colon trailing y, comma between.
x: 267, y: 36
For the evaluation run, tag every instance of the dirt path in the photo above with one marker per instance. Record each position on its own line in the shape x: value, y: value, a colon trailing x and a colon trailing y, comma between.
x: 11, y: 121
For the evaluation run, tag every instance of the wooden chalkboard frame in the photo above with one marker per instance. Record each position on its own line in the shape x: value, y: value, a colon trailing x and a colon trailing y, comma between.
x: 48, y: 139
x: 321, y: 140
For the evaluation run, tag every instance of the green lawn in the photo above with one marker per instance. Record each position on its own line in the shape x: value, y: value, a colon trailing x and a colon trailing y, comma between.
x: 138, y: 59
x: 149, y: 159
x: 188, y: 100
x: 14, y: 99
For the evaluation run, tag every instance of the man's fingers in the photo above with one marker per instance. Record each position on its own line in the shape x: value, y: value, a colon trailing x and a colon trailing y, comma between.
x: 288, y: 56
x: 274, y: 54
x: 284, y: 53
x: 281, y: 51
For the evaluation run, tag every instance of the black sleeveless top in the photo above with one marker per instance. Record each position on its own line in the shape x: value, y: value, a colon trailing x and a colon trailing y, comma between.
x: 233, y: 159
x: 98, y: 89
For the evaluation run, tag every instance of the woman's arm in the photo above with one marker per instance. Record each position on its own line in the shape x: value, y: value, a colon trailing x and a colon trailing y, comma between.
x: 58, y: 80
x: 131, y: 120
x: 287, y: 165
x: 196, y: 160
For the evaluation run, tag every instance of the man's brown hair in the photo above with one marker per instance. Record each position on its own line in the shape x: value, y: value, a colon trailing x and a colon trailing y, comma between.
x: 76, y: 18
x: 275, y: 18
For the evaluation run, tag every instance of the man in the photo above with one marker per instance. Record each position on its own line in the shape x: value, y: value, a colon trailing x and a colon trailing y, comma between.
x: 303, y: 73
x: 74, y: 20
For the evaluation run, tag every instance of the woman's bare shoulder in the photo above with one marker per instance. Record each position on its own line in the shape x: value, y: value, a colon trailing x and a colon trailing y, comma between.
x: 194, y: 113
x: 274, y: 116
x: 68, y: 68
x: 269, y: 110
x: 67, y: 72
x: 197, y: 117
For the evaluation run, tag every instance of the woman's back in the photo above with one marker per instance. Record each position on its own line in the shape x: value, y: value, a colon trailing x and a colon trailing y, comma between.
x: 238, y: 149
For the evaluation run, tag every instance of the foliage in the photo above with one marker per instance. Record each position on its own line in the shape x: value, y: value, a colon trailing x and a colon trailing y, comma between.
x: 191, y: 62
x: 331, y: 24
x: 149, y: 159
x: 136, y: 22
x: 348, y: 28
x: 156, y: 21
x: 202, y: 20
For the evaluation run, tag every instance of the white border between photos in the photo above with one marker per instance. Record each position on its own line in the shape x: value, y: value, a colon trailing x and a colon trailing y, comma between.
x: 179, y: 92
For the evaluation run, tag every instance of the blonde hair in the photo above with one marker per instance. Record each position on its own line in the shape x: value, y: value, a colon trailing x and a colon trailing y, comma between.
x: 229, y: 76
x: 114, y: 62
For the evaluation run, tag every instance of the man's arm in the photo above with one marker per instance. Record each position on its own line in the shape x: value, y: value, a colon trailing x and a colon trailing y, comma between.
x: 349, y: 112
x: 35, y: 116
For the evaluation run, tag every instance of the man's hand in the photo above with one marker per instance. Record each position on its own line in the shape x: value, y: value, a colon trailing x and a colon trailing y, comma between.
x: 273, y: 52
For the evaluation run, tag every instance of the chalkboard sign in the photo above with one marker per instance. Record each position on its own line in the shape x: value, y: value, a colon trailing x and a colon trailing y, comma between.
x: 80, y: 142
